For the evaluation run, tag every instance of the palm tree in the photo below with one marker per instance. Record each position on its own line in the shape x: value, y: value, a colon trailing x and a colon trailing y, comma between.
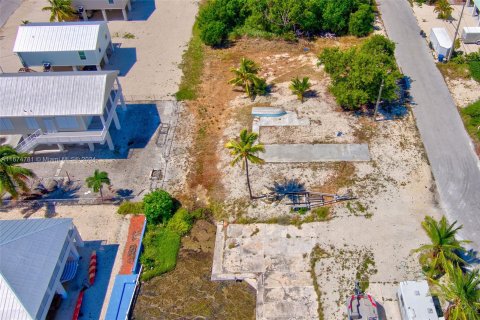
x: 444, y: 9
x: 246, y: 76
x: 61, y: 10
x: 444, y: 246
x: 300, y: 87
x: 243, y: 149
x: 462, y: 292
x: 97, y: 181
x: 13, y: 176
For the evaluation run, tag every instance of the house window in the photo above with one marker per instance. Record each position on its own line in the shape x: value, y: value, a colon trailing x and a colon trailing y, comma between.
x: 110, y: 1
x: 32, y: 123
x: 67, y: 122
x: 82, y: 55
x: 99, y: 49
x: 6, y: 125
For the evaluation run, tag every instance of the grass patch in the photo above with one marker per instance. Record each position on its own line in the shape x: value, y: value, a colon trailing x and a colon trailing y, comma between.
x: 160, y: 251
x: 128, y: 35
x: 474, y: 67
x: 471, y: 118
x: 315, y: 256
x: 192, y: 66
x: 453, y: 70
x: 128, y: 207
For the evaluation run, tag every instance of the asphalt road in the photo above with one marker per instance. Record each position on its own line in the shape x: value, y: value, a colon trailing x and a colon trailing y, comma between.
x: 455, y: 166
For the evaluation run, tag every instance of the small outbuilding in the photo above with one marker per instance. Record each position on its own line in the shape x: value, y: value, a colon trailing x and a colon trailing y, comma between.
x: 36, y: 257
x: 64, y: 44
x: 415, y: 301
x: 103, y: 6
x: 440, y: 41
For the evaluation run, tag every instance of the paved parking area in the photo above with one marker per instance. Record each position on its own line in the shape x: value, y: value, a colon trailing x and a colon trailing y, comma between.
x: 315, y: 152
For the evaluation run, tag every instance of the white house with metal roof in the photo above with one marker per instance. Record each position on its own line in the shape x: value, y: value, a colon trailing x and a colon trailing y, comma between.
x: 102, y: 5
x: 37, y: 255
x: 415, y: 301
x: 63, y: 44
x: 60, y: 107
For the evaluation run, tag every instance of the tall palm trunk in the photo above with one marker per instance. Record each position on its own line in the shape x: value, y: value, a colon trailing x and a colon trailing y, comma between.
x: 101, y: 193
x: 248, y: 179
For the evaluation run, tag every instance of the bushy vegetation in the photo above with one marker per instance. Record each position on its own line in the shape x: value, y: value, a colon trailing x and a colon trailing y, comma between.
x: 286, y: 18
x: 462, y: 66
x: 160, y: 250
x: 162, y: 242
x: 357, y: 72
x: 128, y: 207
x: 471, y: 117
x: 158, y: 206
x: 181, y: 222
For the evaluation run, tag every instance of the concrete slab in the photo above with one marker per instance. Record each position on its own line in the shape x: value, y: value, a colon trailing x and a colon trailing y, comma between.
x: 288, y: 119
x: 315, y: 152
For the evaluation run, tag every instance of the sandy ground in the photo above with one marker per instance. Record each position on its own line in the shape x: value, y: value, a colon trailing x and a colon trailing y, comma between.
x: 148, y: 63
x: 395, y: 191
x: 464, y: 91
x: 94, y: 223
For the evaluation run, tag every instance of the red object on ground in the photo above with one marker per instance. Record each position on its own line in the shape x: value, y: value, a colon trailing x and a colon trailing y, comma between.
x: 76, y: 312
x: 92, y: 267
x: 132, y: 244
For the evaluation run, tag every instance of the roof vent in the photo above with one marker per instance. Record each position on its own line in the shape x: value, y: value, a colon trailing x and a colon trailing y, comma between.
x: 417, y: 293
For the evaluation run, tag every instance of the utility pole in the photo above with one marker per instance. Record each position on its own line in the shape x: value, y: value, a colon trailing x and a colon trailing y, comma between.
x: 378, y: 100
x: 456, y: 32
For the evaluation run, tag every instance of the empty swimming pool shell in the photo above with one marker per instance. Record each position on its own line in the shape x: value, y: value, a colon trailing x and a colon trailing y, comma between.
x: 267, y: 112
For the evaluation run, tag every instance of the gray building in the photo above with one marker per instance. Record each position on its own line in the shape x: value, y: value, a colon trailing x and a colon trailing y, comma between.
x: 34, y: 256
x: 57, y: 108
x: 102, y: 5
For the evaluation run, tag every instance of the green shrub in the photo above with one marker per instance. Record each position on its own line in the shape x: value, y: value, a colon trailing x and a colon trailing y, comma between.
x: 361, y: 22
x: 128, y: 207
x: 219, y: 18
x: 471, y: 118
x: 474, y: 67
x: 181, y: 222
x: 473, y: 56
x: 160, y: 251
x: 214, y: 33
x: 158, y: 206
x: 357, y: 72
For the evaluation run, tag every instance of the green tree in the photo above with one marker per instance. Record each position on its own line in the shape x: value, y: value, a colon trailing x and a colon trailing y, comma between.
x: 444, y: 246
x: 97, y: 180
x: 462, y: 292
x: 300, y: 87
x: 158, y: 206
x: 361, y: 21
x: 336, y: 14
x: 357, y: 73
x: 246, y: 76
x: 60, y: 10
x: 443, y: 9
x: 12, y: 176
x: 244, y: 150
x: 214, y: 33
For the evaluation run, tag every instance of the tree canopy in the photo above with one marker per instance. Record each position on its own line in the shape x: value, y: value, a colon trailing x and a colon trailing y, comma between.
x: 357, y: 73
x: 219, y: 18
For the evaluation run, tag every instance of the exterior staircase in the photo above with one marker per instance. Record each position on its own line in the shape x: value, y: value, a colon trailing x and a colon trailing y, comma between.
x: 30, y: 142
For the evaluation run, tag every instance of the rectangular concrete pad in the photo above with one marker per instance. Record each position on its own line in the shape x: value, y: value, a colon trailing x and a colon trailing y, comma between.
x: 315, y: 152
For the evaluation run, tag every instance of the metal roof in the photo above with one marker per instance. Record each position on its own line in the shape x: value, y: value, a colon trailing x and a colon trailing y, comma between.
x: 35, y: 94
x: 30, y: 250
x: 59, y: 36
x: 417, y: 301
x: 442, y: 37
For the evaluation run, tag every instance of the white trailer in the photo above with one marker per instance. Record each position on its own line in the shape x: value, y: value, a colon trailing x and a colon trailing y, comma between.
x: 471, y: 35
x: 415, y: 301
x: 440, y: 41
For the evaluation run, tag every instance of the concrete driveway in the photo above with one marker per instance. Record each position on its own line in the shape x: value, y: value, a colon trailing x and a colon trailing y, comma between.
x: 454, y: 164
